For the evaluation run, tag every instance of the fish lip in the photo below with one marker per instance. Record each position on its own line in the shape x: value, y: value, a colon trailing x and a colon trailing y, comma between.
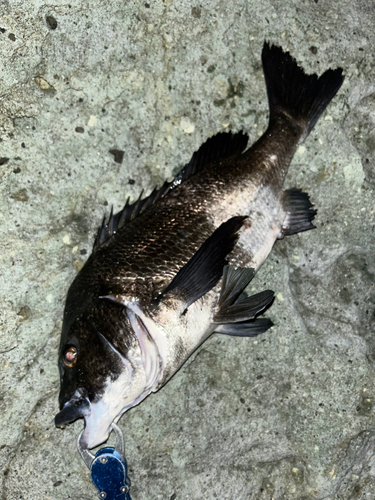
x: 96, y: 431
x: 85, y: 444
x: 71, y: 411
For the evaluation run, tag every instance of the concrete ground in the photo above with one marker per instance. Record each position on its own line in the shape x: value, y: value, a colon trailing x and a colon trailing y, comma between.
x: 289, y: 415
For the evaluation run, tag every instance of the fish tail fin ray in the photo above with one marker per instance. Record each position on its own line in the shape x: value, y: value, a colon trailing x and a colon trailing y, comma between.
x: 235, y: 306
x: 300, y: 212
x: 291, y: 92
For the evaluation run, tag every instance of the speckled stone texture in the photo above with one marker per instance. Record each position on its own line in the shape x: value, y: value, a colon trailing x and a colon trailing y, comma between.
x: 99, y: 100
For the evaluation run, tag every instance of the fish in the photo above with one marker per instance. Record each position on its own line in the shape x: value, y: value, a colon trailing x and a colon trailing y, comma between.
x: 170, y: 269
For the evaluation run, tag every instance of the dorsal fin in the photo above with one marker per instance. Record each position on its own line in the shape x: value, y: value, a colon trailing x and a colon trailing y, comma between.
x: 218, y: 147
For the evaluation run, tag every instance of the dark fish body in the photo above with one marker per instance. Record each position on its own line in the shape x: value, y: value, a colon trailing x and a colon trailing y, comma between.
x: 150, y: 293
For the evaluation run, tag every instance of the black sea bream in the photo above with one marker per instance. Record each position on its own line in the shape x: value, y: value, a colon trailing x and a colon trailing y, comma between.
x: 169, y: 270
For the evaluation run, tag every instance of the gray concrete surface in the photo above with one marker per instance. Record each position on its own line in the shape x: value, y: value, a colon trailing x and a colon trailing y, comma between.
x: 289, y: 415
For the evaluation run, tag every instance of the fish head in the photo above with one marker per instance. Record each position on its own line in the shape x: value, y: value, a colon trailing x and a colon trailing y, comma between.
x: 101, y: 373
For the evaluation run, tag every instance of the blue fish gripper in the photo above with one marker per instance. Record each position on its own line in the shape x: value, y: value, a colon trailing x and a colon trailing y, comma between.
x: 109, y: 469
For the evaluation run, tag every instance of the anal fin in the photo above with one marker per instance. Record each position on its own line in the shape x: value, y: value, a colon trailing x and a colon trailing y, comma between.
x: 237, y: 311
x: 300, y: 213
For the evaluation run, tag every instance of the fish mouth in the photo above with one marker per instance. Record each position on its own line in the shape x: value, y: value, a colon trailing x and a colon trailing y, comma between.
x: 71, y: 411
x: 97, y: 426
x: 91, y: 439
x: 97, y: 418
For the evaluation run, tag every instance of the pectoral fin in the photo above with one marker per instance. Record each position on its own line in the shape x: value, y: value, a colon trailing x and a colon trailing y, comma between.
x: 205, y: 268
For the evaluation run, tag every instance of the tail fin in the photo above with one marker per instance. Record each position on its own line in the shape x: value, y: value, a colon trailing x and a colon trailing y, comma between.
x: 293, y: 93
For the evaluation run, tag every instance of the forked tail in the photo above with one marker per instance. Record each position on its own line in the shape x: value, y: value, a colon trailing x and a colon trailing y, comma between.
x: 292, y: 93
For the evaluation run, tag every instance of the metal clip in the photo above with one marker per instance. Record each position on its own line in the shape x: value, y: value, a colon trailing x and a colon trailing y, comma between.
x: 108, y: 469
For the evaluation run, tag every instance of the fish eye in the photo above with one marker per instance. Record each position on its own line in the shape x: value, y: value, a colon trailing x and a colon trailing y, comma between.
x: 70, y: 356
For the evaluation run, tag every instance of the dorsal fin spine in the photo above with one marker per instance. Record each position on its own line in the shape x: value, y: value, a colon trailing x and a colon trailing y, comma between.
x: 216, y: 148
